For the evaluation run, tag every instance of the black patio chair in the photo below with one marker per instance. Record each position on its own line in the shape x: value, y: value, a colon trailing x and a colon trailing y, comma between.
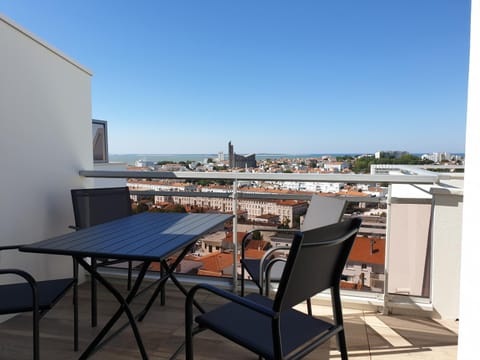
x: 271, y: 328
x: 38, y: 297
x: 96, y: 206
x: 323, y: 210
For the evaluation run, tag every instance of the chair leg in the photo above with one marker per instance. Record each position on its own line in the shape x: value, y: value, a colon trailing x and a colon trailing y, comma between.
x: 342, y: 344
x: 188, y: 334
x: 309, y: 306
x: 36, y: 333
x: 75, y: 306
x: 338, y: 317
x: 129, y: 280
x: 242, y: 282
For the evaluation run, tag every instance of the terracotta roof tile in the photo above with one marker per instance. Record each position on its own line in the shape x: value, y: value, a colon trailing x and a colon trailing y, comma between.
x: 368, y: 251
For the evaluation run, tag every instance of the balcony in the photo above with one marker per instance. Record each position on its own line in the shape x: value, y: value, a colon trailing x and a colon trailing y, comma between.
x: 383, y: 322
x: 416, y: 253
x: 35, y: 204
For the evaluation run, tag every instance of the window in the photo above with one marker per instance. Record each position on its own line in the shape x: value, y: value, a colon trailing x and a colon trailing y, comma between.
x: 99, y: 140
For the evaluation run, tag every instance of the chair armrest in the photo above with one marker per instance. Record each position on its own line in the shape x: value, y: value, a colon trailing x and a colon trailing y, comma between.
x: 268, y: 269
x: 9, y: 247
x: 31, y: 282
x: 29, y: 278
x: 266, y: 260
x: 269, y: 252
x: 229, y: 296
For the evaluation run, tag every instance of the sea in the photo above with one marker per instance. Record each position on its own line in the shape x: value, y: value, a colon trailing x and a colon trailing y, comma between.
x: 131, y: 158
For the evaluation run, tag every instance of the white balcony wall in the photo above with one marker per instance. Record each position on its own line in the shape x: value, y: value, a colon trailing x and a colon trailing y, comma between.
x: 408, y: 229
x: 446, y: 251
x: 425, y: 245
x: 45, y: 139
x: 106, y: 182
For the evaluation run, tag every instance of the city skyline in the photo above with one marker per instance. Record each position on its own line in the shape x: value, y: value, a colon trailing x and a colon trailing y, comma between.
x: 303, y: 78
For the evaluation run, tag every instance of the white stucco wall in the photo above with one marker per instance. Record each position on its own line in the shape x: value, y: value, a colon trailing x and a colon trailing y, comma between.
x: 45, y: 138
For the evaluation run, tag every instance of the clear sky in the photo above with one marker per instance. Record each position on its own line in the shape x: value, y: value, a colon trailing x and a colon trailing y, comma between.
x: 304, y: 76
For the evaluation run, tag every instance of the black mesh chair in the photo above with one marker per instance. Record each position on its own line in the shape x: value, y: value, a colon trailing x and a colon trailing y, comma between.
x: 272, y: 328
x: 38, y: 297
x: 323, y: 210
x: 97, y: 206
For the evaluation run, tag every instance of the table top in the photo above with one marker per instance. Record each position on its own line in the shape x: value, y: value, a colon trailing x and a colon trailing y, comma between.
x: 146, y: 236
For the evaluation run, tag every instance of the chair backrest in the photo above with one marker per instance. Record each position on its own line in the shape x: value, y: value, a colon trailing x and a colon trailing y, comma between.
x: 316, y: 261
x: 99, y: 205
x: 323, y: 210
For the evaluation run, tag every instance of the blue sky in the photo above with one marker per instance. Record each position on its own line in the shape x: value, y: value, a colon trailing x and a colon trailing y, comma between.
x: 305, y: 76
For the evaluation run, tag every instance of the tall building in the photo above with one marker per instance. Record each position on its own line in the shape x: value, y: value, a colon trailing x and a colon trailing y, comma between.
x: 240, y: 161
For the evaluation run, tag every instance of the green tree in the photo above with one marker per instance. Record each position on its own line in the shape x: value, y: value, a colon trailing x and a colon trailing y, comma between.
x: 257, y: 235
x: 285, y: 223
x: 362, y: 165
x: 141, y: 207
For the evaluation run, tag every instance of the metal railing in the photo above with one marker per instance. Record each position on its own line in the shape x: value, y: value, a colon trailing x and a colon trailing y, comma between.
x: 412, y: 175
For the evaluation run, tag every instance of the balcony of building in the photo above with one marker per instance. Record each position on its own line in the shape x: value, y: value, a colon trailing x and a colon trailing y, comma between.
x: 46, y: 135
x: 409, y: 308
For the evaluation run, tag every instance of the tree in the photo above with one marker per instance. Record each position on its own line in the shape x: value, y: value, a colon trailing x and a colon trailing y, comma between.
x: 257, y: 235
x: 177, y: 208
x: 164, y: 162
x: 362, y: 165
x: 141, y: 207
x: 285, y: 223
x: 296, y: 221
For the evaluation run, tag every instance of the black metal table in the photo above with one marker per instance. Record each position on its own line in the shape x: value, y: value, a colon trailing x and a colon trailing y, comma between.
x: 146, y: 237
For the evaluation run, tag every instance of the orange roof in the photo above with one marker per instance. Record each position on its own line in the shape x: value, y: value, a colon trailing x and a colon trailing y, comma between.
x: 291, y: 202
x: 276, y: 191
x: 203, y: 272
x: 353, y: 193
x: 229, y: 236
x: 254, y: 253
x: 257, y: 244
x: 362, y: 250
x: 216, y: 261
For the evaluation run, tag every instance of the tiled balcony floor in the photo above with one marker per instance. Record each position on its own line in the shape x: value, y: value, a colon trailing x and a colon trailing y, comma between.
x: 369, y: 335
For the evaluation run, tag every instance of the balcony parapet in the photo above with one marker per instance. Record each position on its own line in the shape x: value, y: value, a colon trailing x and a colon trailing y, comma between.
x: 424, y: 178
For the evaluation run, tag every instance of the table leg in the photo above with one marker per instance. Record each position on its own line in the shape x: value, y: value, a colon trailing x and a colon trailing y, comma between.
x: 184, y: 291
x: 160, y: 288
x: 168, y: 274
x: 93, y: 292
x: 124, y: 308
